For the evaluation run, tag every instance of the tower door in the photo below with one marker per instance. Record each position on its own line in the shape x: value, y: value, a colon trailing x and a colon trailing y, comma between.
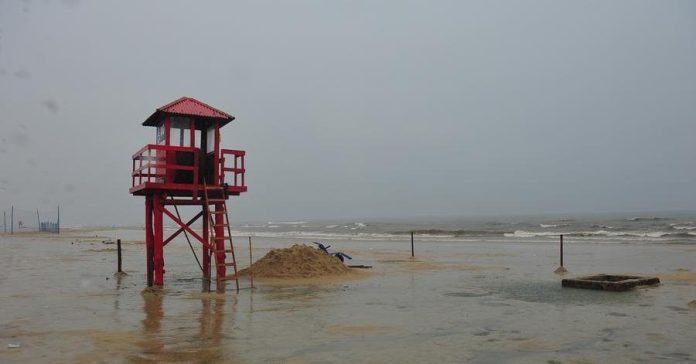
x: 208, y: 143
x: 180, y: 135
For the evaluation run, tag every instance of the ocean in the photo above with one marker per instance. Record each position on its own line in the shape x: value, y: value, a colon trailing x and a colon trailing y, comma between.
x: 675, y: 227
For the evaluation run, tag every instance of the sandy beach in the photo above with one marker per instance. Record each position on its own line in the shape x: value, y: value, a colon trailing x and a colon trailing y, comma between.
x: 477, y: 302
x: 537, y: 156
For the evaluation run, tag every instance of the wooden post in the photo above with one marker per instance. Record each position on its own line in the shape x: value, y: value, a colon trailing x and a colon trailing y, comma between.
x: 58, y: 222
x: 118, y: 248
x: 561, y: 250
x: 4, y: 221
x: 412, y: 252
x: 38, y: 220
x: 12, y: 220
x: 251, y: 273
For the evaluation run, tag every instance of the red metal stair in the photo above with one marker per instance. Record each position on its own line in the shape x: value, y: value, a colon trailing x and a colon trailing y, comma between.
x: 217, y: 241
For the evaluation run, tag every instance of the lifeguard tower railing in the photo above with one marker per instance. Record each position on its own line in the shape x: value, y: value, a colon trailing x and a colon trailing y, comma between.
x: 178, y: 169
x: 236, y: 167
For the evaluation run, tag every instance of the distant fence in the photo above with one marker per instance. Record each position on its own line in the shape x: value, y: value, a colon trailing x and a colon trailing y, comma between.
x: 49, y: 227
x: 21, y: 220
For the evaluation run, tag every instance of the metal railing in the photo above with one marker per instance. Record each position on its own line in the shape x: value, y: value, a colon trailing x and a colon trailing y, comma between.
x: 233, y: 161
x: 158, y: 164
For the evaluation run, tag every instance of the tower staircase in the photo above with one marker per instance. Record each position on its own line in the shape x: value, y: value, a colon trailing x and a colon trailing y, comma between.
x: 217, y: 195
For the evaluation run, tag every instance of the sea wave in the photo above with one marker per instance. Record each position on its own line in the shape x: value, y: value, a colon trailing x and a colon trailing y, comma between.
x: 247, y: 226
x: 530, y: 234
x: 452, y: 233
x: 468, y: 235
x: 602, y: 234
x: 318, y: 235
x: 653, y: 218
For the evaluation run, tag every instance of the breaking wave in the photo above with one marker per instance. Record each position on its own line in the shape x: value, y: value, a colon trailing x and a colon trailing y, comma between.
x: 602, y: 233
x: 466, y: 235
x: 452, y: 233
x: 682, y: 227
x: 318, y: 235
x: 654, y: 218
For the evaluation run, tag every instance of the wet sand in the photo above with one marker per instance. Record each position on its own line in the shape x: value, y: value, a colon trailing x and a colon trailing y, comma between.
x: 479, y: 302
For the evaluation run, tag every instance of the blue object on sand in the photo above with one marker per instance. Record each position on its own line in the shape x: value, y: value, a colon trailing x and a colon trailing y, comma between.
x: 341, y: 256
x: 322, y: 247
x: 325, y: 249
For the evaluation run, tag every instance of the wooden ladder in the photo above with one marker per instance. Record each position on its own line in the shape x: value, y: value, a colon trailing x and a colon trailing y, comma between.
x: 219, y: 194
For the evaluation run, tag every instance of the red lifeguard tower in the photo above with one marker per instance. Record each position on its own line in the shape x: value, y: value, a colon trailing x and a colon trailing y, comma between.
x: 186, y: 167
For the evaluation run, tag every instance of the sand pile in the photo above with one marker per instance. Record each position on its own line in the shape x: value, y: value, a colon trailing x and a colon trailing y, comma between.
x: 298, y: 261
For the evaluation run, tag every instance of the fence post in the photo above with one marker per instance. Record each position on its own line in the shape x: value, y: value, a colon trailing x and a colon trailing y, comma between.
x: 118, y: 248
x: 561, y: 250
x: 251, y: 272
x: 412, y: 251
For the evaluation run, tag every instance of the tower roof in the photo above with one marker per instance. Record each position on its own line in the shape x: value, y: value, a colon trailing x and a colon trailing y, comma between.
x: 188, y: 106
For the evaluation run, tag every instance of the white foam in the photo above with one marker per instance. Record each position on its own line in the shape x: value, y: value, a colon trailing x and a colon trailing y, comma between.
x: 318, y: 235
x: 588, y: 234
x: 683, y: 227
x: 529, y: 234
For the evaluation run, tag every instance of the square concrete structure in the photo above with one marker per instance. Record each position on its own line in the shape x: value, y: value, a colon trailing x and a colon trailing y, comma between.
x: 609, y: 282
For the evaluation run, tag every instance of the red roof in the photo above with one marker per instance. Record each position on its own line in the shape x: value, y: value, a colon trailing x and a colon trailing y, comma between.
x: 188, y: 106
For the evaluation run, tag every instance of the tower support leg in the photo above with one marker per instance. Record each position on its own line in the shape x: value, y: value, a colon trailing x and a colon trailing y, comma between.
x: 149, y: 240
x: 206, y: 251
x: 158, y: 244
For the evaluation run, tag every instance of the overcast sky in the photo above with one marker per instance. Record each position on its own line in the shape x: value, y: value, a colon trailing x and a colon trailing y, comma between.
x: 358, y: 108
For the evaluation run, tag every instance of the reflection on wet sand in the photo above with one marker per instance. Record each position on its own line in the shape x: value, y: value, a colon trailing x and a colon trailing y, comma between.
x: 119, y: 285
x: 211, y: 324
x: 162, y: 342
x: 151, y: 344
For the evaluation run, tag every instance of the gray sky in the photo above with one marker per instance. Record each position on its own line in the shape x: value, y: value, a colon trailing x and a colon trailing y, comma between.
x: 358, y: 108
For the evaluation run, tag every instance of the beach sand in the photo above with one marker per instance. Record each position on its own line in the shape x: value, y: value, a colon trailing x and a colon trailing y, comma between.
x: 678, y: 276
x: 454, y: 302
